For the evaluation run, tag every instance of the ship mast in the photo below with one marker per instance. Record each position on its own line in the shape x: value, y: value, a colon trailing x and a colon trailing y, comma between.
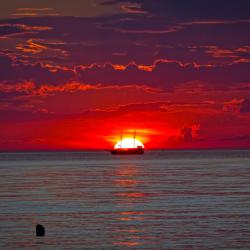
x: 134, y: 139
x: 121, y: 140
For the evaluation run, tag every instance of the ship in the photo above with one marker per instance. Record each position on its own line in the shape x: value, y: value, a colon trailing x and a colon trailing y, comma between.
x: 128, y: 151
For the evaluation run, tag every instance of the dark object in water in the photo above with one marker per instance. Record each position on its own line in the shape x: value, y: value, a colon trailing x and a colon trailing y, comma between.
x: 40, y: 230
x: 128, y: 151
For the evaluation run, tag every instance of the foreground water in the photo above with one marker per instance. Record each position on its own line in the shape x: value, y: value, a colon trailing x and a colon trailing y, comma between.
x: 94, y: 200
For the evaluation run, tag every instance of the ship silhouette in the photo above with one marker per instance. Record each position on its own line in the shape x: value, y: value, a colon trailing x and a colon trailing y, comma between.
x: 128, y: 151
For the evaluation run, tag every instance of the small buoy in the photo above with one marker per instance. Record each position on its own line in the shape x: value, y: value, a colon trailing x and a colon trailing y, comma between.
x: 40, y: 230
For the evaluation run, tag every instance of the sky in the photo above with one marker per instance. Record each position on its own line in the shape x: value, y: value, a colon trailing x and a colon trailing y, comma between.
x: 74, y: 74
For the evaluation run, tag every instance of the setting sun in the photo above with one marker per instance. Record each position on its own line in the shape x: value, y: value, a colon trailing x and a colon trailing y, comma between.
x: 128, y: 143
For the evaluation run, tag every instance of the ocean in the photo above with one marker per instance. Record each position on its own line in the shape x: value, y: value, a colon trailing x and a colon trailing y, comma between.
x: 95, y: 200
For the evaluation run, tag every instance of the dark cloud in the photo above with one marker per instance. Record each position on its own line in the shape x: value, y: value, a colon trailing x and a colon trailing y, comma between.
x: 193, y: 9
x: 245, y: 106
x: 10, y: 29
x: 16, y: 8
x: 122, y: 38
x: 164, y: 50
x: 166, y: 75
x: 18, y: 72
x: 186, y: 134
x: 5, y: 68
x: 142, y: 39
x: 163, y: 74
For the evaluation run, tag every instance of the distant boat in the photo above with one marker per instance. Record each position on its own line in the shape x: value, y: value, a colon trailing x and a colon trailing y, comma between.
x: 128, y: 151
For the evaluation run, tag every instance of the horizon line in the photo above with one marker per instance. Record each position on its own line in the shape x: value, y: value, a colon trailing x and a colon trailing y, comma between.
x: 104, y: 150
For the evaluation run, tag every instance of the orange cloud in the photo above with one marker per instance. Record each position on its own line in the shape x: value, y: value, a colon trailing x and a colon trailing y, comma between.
x: 233, y: 105
x: 132, y: 8
x: 30, y: 12
x: 31, y: 47
x: 26, y: 87
x: 69, y: 87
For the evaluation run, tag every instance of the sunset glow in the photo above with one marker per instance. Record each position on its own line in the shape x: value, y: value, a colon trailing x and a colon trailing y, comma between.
x: 71, y: 77
x: 128, y: 143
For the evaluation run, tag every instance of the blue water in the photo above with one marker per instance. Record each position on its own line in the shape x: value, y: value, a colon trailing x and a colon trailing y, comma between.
x: 95, y: 200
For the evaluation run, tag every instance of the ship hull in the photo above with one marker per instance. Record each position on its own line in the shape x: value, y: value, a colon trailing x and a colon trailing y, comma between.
x: 127, y: 151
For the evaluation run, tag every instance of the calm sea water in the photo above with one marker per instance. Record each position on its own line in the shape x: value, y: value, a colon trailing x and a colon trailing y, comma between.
x: 94, y: 200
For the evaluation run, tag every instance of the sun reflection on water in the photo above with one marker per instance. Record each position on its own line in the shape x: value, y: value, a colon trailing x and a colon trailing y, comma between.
x: 130, y: 231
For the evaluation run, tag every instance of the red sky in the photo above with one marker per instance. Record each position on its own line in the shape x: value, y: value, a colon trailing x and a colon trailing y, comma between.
x: 73, y: 76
